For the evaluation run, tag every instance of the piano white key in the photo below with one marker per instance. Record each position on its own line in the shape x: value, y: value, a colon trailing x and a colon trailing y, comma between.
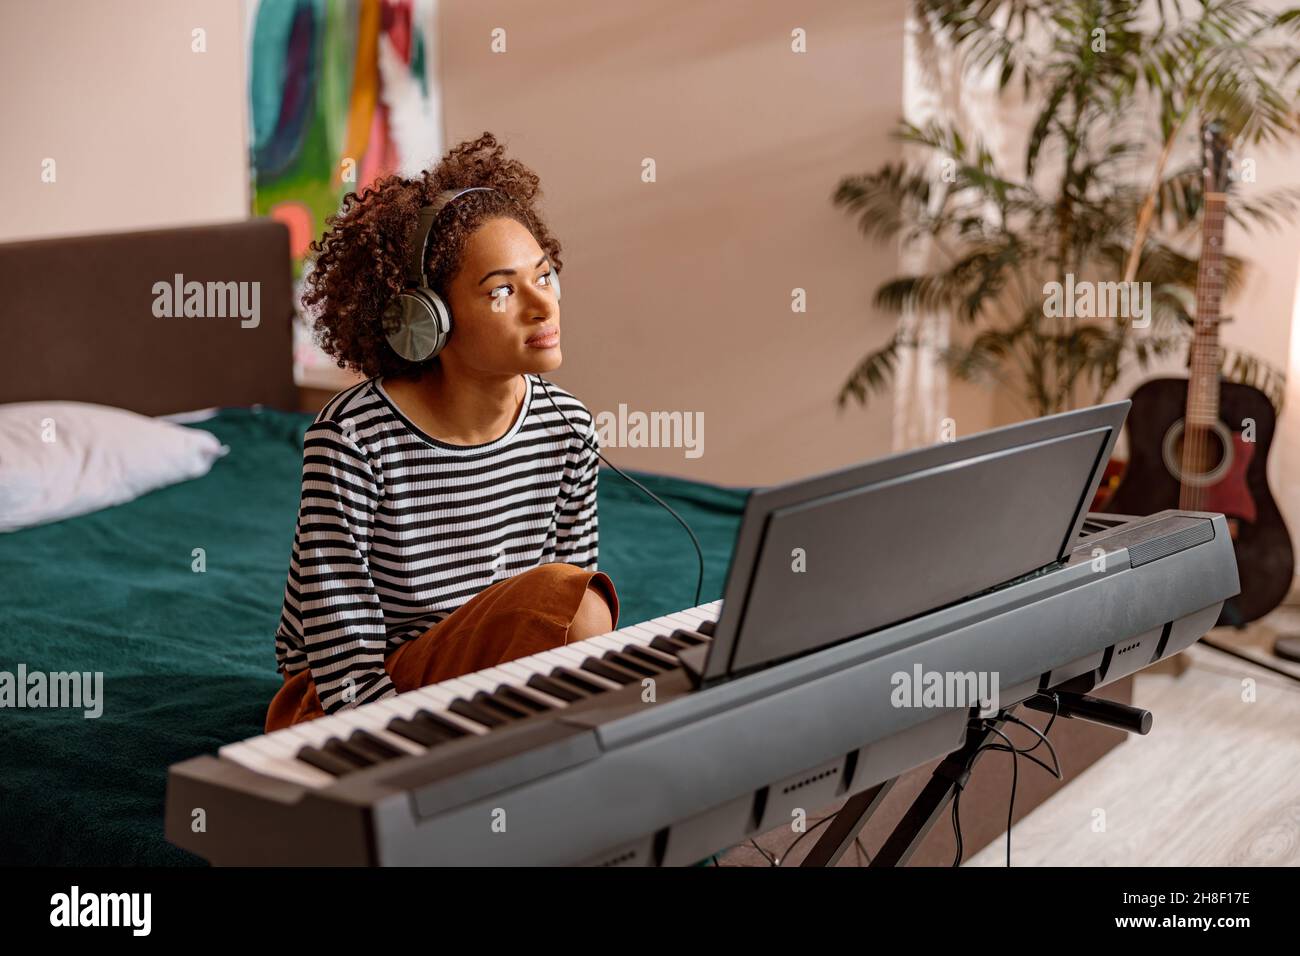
x: 383, y: 712
x: 634, y: 637
x: 480, y: 681
x: 521, y: 671
x: 294, y: 771
x: 281, y: 746
x: 658, y: 623
x: 459, y: 686
x: 571, y: 656
x: 435, y: 697
x: 534, y: 664
x: 608, y: 642
x: 312, y: 733
x: 537, y: 664
x: 647, y: 634
x: 497, y: 674
x: 493, y: 677
x: 261, y: 744
x: 687, y: 620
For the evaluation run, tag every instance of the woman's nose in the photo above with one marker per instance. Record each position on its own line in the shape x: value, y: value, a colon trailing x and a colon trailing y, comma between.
x: 542, y: 300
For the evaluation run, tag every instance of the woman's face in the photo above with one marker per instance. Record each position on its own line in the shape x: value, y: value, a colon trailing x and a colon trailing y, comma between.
x: 500, y: 299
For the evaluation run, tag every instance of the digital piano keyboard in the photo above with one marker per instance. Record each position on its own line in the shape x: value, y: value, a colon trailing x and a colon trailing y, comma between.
x: 607, y: 752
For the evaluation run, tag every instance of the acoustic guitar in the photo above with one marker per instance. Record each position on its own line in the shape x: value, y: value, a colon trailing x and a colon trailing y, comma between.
x: 1200, y: 444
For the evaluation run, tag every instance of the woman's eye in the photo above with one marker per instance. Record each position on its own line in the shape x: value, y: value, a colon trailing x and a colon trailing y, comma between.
x: 497, y: 294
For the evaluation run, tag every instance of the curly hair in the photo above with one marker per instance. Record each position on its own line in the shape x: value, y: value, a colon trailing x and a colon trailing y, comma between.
x: 360, y: 261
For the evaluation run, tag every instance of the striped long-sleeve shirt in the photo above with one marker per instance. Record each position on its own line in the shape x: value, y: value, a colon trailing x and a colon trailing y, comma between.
x: 397, y: 529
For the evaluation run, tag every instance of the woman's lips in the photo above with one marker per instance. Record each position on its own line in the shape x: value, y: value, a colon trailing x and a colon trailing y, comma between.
x: 545, y: 340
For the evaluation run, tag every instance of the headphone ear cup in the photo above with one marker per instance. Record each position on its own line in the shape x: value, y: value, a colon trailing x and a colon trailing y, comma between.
x: 417, y: 324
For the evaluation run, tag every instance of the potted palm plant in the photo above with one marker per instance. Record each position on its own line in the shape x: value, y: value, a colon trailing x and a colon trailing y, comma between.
x: 1091, y: 196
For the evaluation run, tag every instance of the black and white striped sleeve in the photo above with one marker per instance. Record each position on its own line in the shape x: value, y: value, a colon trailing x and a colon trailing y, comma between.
x: 342, y: 618
x: 577, y: 531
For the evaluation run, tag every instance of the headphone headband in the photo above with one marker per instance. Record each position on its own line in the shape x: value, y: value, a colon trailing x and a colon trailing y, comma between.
x: 424, y: 229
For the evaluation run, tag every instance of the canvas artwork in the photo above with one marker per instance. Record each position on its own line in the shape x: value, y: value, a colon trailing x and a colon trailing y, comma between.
x: 340, y: 92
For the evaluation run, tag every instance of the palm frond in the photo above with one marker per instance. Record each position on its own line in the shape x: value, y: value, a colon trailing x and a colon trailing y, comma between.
x: 873, y: 373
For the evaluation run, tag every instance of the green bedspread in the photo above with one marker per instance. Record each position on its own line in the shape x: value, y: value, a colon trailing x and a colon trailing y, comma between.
x: 188, y: 658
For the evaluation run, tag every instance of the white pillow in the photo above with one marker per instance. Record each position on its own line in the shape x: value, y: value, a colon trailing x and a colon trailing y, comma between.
x: 61, y: 459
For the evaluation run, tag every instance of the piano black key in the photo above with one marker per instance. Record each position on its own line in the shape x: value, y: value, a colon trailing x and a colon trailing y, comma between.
x: 575, y: 678
x: 327, y: 762
x: 345, y: 751
x: 523, y: 699
x: 665, y: 662
x: 496, y: 705
x: 694, y: 638
x: 422, y: 733
x: 367, y: 741
x: 707, y: 627
x: 669, y: 645
x: 564, y: 692
x: 475, y: 713
x: 630, y: 663
x: 438, y: 722
x: 609, y: 671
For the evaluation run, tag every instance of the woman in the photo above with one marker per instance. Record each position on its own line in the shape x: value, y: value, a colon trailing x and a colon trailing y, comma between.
x: 448, y: 513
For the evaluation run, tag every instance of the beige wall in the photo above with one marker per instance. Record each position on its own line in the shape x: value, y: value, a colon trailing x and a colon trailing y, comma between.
x: 677, y: 292
x: 143, y: 131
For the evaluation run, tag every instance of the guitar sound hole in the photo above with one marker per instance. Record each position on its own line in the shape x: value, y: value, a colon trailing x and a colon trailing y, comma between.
x: 1210, y: 453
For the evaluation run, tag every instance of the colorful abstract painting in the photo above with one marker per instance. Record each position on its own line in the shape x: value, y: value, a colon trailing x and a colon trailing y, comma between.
x: 340, y: 93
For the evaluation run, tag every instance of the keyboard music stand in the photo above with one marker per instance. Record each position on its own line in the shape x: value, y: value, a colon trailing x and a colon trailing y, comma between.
x: 905, y: 525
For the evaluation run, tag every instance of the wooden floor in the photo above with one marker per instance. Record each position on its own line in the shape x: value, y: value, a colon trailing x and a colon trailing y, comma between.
x: 1215, y: 783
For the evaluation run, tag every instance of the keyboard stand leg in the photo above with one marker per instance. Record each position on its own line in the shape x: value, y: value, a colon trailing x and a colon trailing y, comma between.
x: 929, y: 804
x: 847, y: 823
x: 916, y: 822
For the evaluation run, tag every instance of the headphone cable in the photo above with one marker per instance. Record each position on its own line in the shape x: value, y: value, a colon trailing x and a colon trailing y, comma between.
x: 699, y: 553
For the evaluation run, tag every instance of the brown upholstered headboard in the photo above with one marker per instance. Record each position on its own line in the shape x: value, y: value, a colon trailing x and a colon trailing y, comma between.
x: 80, y: 325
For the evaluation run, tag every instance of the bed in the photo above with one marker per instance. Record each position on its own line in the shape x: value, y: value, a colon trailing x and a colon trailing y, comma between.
x: 187, y: 657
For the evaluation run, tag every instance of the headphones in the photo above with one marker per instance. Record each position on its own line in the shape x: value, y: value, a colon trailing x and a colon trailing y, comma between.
x: 419, y: 318
x: 423, y: 323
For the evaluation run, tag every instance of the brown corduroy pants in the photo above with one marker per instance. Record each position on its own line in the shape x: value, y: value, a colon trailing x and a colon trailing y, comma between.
x: 525, y: 614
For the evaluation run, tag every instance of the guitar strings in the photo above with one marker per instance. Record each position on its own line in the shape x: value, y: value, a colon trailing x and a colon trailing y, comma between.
x: 1195, y: 434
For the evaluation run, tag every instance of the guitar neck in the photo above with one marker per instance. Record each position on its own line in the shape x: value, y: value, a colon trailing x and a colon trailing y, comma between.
x: 1203, y: 378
